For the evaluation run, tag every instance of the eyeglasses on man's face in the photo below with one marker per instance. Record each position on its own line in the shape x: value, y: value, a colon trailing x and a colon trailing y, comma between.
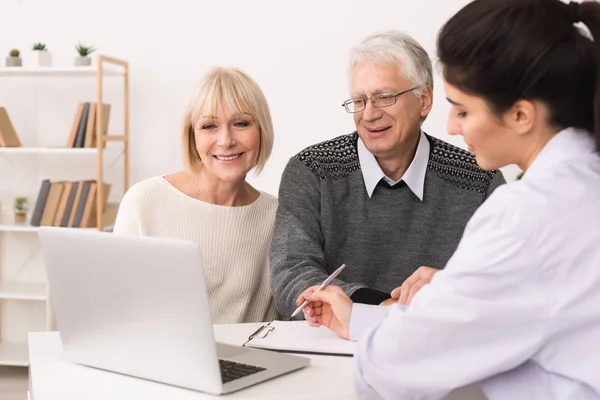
x: 377, y: 100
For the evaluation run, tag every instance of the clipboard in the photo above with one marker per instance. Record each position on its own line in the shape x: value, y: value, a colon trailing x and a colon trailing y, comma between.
x: 299, y: 337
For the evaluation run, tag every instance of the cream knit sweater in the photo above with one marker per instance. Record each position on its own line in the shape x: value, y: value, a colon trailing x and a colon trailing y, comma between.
x: 234, y: 242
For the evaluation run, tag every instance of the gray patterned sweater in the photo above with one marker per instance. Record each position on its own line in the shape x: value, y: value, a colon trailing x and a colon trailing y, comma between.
x: 325, y: 218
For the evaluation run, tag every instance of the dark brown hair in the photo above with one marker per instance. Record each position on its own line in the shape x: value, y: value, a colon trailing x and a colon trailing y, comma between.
x: 508, y: 50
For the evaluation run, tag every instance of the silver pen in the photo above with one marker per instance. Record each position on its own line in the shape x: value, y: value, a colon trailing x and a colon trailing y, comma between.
x: 323, y: 285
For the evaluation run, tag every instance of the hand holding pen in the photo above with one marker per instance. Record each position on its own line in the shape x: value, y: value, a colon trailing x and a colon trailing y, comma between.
x: 326, y: 282
x: 327, y: 305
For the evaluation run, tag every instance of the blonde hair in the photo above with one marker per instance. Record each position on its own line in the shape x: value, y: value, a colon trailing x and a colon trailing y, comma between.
x: 232, y: 88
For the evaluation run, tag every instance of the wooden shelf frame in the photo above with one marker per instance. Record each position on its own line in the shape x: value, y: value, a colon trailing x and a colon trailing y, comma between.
x: 102, y: 138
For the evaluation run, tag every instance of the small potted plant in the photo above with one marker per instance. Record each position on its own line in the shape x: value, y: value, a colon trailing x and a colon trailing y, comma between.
x: 84, y: 53
x: 44, y: 58
x: 14, y: 59
x: 20, y: 210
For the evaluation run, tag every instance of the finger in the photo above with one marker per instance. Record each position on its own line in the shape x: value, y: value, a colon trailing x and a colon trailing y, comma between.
x: 311, y: 306
x: 430, y: 273
x: 407, y: 284
x: 396, y: 293
x: 414, y: 277
x: 302, y: 296
x: 414, y: 289
x: 317, y: 311
x: 308, y: 311
x: 325, y: 297
x: 314, y: 304
x: 312, y: 320
x: 404, y: 292
x: 309, y: 317
x: 334, y: 289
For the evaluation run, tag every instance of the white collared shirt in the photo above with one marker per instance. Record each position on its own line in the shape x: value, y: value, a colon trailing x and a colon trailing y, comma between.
x: 414, y: 177
x: 517, y: 308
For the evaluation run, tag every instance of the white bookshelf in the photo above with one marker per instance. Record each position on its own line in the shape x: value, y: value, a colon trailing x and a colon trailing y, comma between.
x: 67, y: 72
x: 24, y: 298
x: 12, y: 227
x: 23, y: 290
x: 111, y: 152
x: 14, y: 354
x: 47, y: 150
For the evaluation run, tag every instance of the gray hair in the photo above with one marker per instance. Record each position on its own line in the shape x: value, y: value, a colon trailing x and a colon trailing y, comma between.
x: 395, y: 48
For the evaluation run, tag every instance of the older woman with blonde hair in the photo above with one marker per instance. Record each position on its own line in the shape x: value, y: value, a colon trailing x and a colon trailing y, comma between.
x: 227, y: 132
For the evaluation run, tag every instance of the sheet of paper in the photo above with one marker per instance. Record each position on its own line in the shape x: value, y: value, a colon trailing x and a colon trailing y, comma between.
x: 298, y: 336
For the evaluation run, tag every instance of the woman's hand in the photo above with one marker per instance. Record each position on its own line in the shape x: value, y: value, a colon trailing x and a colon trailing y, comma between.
x: 330, y: 307
x: 405, y: 293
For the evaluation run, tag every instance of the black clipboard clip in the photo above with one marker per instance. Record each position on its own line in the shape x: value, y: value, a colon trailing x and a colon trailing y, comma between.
x: 261, y: 332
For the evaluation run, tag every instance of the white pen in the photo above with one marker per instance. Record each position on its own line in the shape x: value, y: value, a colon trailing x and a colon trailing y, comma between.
x: 323, y: 285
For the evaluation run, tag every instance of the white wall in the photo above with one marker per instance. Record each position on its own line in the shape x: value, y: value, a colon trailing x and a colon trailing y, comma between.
x: 295, y: 50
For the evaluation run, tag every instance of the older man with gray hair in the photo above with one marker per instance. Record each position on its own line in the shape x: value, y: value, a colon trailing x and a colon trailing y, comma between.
x: 385, y: 199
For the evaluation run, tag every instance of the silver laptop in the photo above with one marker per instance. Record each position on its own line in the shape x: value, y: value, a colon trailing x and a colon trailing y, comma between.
x: 138, y: 306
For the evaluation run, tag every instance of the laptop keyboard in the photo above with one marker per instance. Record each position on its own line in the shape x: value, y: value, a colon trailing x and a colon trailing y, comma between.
x: 231, y: 370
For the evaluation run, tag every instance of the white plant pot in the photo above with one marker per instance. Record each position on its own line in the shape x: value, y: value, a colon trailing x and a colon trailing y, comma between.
x: 83, y: 61
x: 13, y: 62
x: 44, y: 58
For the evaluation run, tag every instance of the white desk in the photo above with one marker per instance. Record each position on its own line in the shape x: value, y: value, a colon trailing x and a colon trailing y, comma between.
x: 53, y: 378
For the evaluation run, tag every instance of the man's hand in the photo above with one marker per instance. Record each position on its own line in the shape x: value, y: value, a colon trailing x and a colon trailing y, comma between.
x: 388, y: 302
x: 330, y: 307
x: 405, y: 293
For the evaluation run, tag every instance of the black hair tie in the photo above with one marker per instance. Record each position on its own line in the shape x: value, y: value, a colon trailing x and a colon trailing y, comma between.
x: 573, y: 12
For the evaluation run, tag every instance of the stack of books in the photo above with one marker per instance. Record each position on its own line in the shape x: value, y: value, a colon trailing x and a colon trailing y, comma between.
x: 83, y: 131
x: 68, y: 204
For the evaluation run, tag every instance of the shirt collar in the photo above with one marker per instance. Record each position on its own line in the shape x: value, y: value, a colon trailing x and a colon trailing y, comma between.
x: 567, y: 144
x: 414, y: 177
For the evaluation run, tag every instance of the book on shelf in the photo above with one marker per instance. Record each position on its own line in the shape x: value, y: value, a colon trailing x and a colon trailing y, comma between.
x: 8, y: 136
x: 83, y: 130
x: 71, y: 204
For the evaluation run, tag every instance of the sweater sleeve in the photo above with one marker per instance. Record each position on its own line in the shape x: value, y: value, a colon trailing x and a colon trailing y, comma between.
x: 127, y: 221
x: 496, y: 181
x: 297, y: 259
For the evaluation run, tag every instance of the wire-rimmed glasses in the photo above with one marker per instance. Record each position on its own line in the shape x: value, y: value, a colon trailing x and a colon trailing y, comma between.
x: 378, y: 100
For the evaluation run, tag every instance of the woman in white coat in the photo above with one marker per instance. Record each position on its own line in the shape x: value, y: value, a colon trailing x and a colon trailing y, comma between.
x: 517, y: 307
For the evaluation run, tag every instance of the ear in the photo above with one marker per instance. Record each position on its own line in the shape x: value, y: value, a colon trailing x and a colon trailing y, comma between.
x: 426, y: 101
x: 521, y: 117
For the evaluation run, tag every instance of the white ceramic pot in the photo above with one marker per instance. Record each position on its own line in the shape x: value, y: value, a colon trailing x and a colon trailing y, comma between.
x: 83, y: 61
x: 13, y: 62
x: 44, y: 58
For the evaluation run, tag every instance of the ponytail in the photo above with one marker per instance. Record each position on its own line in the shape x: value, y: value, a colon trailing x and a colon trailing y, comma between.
x: 588, y: 13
